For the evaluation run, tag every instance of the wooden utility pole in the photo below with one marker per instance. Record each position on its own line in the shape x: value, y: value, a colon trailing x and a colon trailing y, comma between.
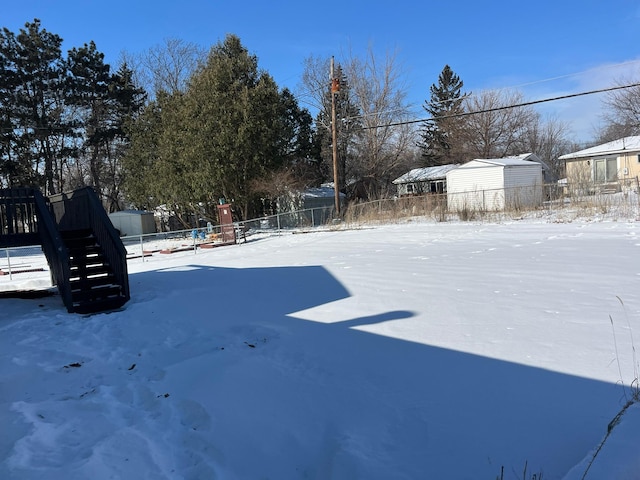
x: 335, y: 88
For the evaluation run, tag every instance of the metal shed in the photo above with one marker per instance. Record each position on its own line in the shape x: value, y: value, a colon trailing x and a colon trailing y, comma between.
x: 495, y: 184
x: 133, y: 222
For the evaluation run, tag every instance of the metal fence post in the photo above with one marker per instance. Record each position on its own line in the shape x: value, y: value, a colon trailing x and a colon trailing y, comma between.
x: 9, y: 264
x: 141, y: 249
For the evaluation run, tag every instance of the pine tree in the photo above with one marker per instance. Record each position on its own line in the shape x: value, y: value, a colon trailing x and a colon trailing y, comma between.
x: 102, y: 103
x: 32, y: 97
x: 296, y: 136
x: 440, y: 133
x: 88, y: 94
x: 126, y: 101
x: 61, y: 119
x: 15, y: 169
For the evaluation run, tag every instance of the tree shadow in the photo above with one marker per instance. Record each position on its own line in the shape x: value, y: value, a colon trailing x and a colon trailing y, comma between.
x: 420, y: 411
x: 303, y: 398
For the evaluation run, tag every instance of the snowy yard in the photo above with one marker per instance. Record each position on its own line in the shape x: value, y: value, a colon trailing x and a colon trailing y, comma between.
x: 416, y: 351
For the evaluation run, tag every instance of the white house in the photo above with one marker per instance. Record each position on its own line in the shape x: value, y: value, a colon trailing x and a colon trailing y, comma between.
x: 495, y: 184
x: 424, y: 180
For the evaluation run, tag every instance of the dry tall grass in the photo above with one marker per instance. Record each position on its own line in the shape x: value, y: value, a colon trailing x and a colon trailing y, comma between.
x: 619, y: 206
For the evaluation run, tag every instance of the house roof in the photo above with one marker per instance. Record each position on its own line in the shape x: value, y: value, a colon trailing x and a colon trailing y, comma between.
x: 622, y: 145
x: 531, y: 157
x: 425, y: 174
x: 321, y: 192
x: 515, y: 161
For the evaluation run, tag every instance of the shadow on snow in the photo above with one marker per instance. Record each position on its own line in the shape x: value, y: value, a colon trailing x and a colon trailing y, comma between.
x: 332, y: 400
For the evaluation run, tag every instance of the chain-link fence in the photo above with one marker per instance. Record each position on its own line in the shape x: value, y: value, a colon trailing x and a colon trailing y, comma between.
x: 617, y: 201
x: 483, y: 205
x: 28, y: 265
x: 23, y: 267
x: 147, y: 246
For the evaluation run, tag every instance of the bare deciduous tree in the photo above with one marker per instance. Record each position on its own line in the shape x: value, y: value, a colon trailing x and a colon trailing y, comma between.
x: 548, y: 139
x: 621, y: 117
x: 312, y: 91
x: 372, y: 148
x: 315, y: 92
x: 493, y: 128
x: 384, y: 146
x: 166, y: 67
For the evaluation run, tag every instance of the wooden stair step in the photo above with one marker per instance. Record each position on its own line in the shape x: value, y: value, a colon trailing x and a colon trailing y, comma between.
x: 89, y: 269
x: 101, y: 305
x: 88, y: 283
x: 97, y: 291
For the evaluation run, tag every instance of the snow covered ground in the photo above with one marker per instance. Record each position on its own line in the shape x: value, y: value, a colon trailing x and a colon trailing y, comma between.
x: 414, y: 351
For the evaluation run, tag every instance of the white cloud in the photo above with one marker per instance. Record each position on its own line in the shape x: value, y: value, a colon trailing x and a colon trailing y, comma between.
x: 582, y: 113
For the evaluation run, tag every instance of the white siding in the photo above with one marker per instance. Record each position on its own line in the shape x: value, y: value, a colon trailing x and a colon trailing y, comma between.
x: 523, y: 185
x: 480, y: 185
x: 475, y: 186
x: 133, y: 222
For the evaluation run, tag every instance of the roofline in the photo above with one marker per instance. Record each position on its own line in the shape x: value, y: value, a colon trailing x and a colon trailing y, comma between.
x: 575, y: 156
x: 500, y: 162
x: 600, y: 150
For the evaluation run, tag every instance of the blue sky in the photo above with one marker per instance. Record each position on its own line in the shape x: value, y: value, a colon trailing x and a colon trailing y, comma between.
x: 545, y: 48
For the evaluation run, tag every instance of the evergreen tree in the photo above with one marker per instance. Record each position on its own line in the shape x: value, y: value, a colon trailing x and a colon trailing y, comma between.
x: 440, y: 133
x: 88, y: 95
x: 297, y: 135
x: 143, y: 155
x: 235, y: 109
x: 102, y: 103
x: 126, y: 100
x: 13, y: 171
x: 229, y: 127
x: 35, y: 122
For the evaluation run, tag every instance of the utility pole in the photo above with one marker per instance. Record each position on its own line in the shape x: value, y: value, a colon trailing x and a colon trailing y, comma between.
x: 335, y: 88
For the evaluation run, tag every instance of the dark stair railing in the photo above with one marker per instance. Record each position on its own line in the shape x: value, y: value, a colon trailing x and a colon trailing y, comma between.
x: 18, y: 222
x: 86, y: 256
x: 25, y: 220
x: 54, y: 249
x: 99, y: 277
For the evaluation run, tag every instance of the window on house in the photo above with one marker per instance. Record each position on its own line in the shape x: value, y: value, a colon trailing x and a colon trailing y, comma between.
x: 605, y: 170
x: 612, y: 170
x: 410, y: 188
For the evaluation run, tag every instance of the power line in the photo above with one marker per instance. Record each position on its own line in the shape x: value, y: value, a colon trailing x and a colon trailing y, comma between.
x: 505, y: 107
x: 470, y: 95
x: 569, y: 75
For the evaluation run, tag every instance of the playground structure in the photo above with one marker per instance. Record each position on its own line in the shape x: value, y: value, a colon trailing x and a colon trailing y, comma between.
x: 86, y: 257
